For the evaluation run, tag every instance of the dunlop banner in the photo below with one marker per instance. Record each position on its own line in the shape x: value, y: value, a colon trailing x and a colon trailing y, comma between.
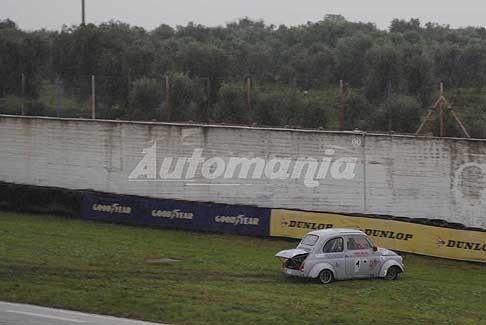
x: 395, y: 235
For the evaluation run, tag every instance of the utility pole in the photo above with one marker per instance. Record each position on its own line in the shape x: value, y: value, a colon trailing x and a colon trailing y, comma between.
x: 83, y: 13
x: 93, y: 97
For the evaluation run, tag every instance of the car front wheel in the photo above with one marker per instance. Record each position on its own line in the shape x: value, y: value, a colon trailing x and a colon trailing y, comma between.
x: 393, y: 273
x: 326, y: 277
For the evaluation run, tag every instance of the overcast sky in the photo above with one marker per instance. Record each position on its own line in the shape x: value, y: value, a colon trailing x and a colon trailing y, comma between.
x: 52, y: 14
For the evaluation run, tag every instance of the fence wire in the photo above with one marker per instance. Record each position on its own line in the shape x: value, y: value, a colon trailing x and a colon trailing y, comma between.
x: 249, y: 101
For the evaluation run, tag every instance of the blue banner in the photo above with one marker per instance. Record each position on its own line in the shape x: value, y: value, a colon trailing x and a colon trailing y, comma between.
x: 112, y: 208
x: 238, y: 220
x: 175, y: 214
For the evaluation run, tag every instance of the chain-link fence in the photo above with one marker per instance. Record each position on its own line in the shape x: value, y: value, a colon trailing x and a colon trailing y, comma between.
x: 295, y: 103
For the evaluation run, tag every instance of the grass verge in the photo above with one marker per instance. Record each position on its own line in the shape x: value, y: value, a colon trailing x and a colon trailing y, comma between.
x: 113, y: 269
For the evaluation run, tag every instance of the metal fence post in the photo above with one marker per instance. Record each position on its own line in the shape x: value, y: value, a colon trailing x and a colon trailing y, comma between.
x: 341, y: 105
x: 58, y: 97
x: 168, y: 105
x: 390, y: 108
x: 248, y: 92
x: 93, y: 97
x: 22, y: 107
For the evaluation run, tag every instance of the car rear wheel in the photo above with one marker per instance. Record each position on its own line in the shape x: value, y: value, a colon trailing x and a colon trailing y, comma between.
x: 393, y: 273
x: 326, y: 277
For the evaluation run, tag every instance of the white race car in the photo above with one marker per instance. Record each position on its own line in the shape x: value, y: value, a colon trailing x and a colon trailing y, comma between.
x: 340, y: 254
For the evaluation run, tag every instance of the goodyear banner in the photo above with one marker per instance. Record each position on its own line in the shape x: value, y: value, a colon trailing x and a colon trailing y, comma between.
x: 172, y: 214
x: 207, y: 217
x: 400, y: 236
x: 111, y: 208
x: 177, y: 214
x: 238, y: 220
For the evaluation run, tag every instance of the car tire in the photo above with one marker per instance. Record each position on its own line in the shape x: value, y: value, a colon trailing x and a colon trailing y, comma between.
x: 393, y: 273
x: 326, y: 276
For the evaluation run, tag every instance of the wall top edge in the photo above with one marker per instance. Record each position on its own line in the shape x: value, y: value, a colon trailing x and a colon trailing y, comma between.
x: 233, y: 126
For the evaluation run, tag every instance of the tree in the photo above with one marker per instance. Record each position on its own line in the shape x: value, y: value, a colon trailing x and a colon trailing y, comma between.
x: 385, y: 70
x: 202, y: 60
x: 277, y: 106
x: 314, y: 67
x: 400, y: 113
x: 163, y: 32
x: 403, y: 26
x: 351, y: 53
x: 447, y: 59
x: 295, y: 69
x: 314, y: 111
x: 187, y: 98
x: 21, y: 53
x: 231, y: 105
x: 472, y: 65
x: 146, y: 98
x: 417, y: 74
x: 358, y: 111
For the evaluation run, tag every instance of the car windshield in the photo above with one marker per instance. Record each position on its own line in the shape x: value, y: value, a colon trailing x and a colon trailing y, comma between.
x: 309, y: 240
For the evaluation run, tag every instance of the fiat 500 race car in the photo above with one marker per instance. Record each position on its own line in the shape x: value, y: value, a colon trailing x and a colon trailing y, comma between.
x: 340, y: 254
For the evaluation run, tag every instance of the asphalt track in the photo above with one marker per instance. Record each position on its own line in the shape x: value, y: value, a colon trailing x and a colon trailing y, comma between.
x: 19, y: 314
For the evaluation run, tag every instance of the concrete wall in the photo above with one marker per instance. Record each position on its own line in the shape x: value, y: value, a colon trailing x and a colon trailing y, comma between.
x: 369, y: 173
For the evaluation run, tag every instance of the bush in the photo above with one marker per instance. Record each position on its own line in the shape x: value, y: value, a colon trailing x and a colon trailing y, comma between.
x: 406, y: 112
x: 231, y: 107
x: 145, y: 99
x: 11, y: 105
x: 188, y: 98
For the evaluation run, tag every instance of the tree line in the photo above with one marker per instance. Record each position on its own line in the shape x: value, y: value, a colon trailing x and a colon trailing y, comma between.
x: 249, y: 72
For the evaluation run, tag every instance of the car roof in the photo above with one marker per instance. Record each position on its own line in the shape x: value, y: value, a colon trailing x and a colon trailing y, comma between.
x: 336, y: 231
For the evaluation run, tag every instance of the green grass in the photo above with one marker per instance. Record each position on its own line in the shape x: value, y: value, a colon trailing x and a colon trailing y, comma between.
x: 101, y: 268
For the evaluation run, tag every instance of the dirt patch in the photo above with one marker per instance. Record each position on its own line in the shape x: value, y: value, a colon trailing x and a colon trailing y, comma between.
x: 163, y: 260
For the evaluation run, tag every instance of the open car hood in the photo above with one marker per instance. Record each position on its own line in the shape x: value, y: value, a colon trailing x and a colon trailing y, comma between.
x: 290, y: 253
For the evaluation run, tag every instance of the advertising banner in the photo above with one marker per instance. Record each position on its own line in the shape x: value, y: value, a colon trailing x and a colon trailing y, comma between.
x: 112, y: 208
x: 238, y: 220
x: 395, y: 235
x: 207, y: 217
x: 173, y: 214
x: 177, y: 214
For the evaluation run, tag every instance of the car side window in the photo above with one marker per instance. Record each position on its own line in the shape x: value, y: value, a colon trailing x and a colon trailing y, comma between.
x: 335, y: 245
x: 357, y: 242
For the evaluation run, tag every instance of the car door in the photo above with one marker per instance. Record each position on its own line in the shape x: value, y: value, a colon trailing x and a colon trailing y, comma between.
x: 360, y: 257
x: 332, y: 253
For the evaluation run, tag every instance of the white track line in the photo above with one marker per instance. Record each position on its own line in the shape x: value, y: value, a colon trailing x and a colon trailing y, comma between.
x: 44, y: 316
x: 66, y: 315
